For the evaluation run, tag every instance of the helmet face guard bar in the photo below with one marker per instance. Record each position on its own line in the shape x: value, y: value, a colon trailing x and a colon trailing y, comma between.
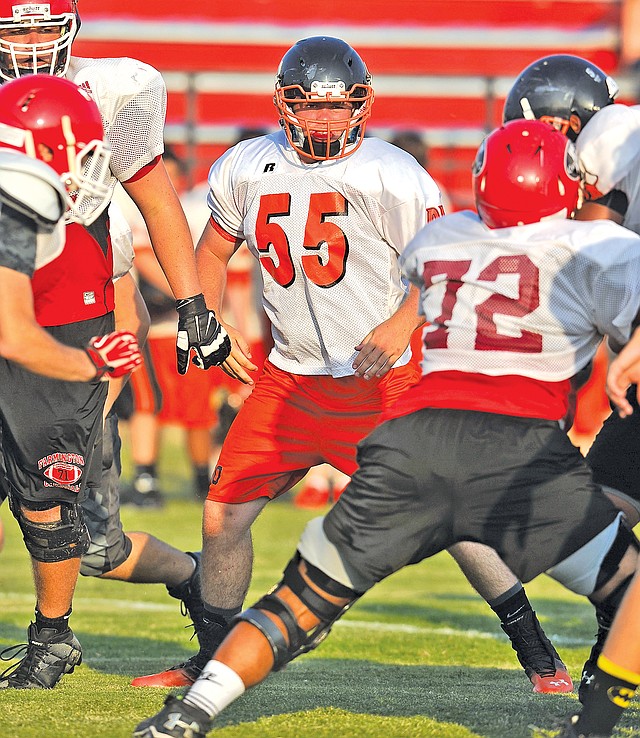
x: 322, y: 140
x: 88, y: 183
x: 46, y: 57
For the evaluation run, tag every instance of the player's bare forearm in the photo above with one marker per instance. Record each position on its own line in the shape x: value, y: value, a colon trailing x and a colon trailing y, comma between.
x: 168, y: 229
x: 24, y: 342
x: 212, y: 256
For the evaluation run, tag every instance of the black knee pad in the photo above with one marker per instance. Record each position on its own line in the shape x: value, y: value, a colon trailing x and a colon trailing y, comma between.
x: 61, y: 540
x: 625, y: 538
x: 297, y: 640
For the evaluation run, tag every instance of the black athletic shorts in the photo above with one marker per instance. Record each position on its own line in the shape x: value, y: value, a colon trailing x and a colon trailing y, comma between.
x: 614, y: 455
x: 435, y: 477
x: 50, y: 427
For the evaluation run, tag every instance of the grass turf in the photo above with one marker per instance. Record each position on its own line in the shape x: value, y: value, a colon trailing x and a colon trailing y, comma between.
x: 420, y: 656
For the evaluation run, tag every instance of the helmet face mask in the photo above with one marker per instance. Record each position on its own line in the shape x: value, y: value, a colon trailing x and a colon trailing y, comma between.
x: 54, y: 120
x: 525, y: 172
x: 563, y: 90
x: 323, y: 74
x: 36, y: 38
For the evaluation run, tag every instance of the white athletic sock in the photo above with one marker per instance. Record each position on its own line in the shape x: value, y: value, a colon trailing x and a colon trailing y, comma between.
x: 215, y: 688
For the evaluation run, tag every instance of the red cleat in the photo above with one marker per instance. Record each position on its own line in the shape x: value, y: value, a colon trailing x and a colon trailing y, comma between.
x: 181, y: 675
x: 555, y: 684
x: 537, y: 656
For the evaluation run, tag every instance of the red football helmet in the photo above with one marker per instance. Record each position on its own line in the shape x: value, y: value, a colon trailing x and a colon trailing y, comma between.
x: 54, y: 120
x: 36, y: 37
x: 524, y: 172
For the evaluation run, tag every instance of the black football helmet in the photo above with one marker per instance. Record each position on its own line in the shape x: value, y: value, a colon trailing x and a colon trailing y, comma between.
x: 320, y: 70
x: 561, y: 89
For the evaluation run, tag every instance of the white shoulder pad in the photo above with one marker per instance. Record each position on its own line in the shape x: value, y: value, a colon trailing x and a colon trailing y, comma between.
x: 33, y: 188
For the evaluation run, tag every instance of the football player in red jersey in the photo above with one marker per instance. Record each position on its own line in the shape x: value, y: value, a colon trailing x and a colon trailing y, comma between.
x: 75, y: 297
x: 50, y: 120
x: 476, y: 450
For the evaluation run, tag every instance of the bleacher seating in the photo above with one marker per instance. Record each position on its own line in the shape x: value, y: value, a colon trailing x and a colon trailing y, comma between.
x: 442, y: 68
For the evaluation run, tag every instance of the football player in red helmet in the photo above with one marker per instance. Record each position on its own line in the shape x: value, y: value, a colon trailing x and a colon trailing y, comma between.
x: 79, y: 294
x: 54, y: 120
x: 36, y: 37
x: 475, y: 450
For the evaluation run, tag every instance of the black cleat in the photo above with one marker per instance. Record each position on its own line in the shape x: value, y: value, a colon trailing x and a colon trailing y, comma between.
x: 49, y: 655
x: 175, y: 720
x: 143, y: 492
x: 537, y: 656
x: 190, y: 595
x: 210, y: 635
x: 588, y: 670
x: 569, y: 729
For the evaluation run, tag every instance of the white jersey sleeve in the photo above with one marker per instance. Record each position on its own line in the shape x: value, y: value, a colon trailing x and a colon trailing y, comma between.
x: 609, y: 152
x: 532, y: 300
x: 132, y: 99
x: 327, y: 236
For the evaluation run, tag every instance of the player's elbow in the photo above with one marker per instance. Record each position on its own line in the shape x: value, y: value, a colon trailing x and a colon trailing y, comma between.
x: 11, y: 347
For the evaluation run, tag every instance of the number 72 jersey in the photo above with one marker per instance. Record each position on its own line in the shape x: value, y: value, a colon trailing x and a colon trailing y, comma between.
x: 328, y: 236
x: 531, y: 301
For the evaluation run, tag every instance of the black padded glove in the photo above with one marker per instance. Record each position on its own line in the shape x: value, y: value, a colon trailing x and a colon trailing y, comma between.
x: 199, y: 329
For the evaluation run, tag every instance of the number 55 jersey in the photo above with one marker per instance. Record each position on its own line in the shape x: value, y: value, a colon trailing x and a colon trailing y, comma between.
x: 327, y: 236
x: 514, y: 313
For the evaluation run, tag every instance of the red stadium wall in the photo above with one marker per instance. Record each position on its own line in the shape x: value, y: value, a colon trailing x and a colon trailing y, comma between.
x: 442, y: 68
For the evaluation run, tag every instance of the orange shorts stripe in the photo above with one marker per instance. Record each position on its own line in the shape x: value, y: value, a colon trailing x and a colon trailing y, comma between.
x: 292, y: 422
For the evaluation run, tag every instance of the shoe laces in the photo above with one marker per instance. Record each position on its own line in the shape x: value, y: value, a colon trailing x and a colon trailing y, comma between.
x: 21, y: 670
x: 532, y: 647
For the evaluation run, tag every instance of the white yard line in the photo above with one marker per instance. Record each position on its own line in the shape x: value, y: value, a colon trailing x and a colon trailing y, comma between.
x: 95, y: 604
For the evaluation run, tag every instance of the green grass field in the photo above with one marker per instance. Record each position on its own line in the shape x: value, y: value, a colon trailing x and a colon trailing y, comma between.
x: 421, y: 656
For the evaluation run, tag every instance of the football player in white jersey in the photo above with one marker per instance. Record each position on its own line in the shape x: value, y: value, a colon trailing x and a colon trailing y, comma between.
x: 327, y: 212
x: 577, y: 97
x: 76, y: 289
x: 513, y: 300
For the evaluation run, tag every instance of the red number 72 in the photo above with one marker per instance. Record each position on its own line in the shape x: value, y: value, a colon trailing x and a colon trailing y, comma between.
x: 487, y: 336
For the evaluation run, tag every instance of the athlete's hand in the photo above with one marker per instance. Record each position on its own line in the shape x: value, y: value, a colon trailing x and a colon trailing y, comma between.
x: 379, y: 350
x: 200, y: 331
x: 238, y: 364
x: 624, y: 371
x: 114, y: 355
